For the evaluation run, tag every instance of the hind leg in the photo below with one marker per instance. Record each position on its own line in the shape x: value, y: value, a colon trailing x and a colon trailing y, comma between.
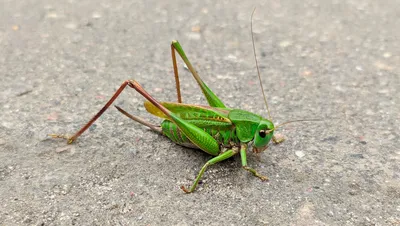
x: 212, y: 99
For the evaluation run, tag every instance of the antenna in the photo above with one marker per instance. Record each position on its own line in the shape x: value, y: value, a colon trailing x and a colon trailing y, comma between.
x: 300, y: 120
x: 258, y: 69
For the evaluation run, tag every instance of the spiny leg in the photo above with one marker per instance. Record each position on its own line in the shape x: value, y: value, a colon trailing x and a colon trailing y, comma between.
x: 140, y: 120
x: 210, y: 162
x: 95, y: 117
x: 131, y: 83
x: 212, y: 99
x: 243, y: 155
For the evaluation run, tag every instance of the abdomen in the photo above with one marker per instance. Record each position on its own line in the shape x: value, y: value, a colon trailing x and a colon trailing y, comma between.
x: 226, y: 138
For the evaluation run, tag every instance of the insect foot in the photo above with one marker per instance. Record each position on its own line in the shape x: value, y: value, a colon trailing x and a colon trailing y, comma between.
x: 255, y: 173
x: 69, y: 139
x: 185, y: 190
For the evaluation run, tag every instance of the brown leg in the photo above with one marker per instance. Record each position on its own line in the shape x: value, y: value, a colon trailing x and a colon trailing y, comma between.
x: 130, y: 83
x: 140, y: 120
x: 178, y: 86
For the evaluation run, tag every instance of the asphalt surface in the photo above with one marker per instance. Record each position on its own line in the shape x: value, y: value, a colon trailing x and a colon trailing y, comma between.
x: 337, y: 60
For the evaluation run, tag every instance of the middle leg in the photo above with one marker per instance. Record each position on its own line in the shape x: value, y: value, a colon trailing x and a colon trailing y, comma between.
x: 210, y: 162
x: 243, y: 155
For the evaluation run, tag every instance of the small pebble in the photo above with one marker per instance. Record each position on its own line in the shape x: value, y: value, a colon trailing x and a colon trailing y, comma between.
x: 52, y: 15
x: 132, y: 151
x: 285, y: 43
x: 65, y: 148
x: 96, y: 15
x: 193, y: 35
x: 387, y: 55
x: 300, y: 154
x: 196, y: 29
x: 306, y: 73
x: 71, y: 26
x: 383, y: 66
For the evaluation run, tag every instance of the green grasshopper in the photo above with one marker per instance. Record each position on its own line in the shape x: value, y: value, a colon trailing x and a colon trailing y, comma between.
x: 215, y: 129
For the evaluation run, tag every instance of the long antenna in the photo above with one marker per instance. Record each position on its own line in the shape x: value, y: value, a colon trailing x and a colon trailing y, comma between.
x: 258, y: 69
x: 299, y: 120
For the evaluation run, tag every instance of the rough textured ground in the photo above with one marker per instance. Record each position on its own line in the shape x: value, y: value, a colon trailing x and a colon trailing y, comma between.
x: 337, y: 60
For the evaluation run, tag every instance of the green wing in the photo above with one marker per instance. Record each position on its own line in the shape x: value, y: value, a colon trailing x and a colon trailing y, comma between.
x: 201, y: 116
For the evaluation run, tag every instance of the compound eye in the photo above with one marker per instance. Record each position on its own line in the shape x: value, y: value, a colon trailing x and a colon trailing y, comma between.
x: 262, y: 133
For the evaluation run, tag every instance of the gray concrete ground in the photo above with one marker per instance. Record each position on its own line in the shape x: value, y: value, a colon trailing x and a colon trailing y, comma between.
x: 336, y: 60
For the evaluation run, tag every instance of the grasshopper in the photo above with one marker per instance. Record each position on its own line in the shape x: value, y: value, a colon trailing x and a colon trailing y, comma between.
x: 215, y: 129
